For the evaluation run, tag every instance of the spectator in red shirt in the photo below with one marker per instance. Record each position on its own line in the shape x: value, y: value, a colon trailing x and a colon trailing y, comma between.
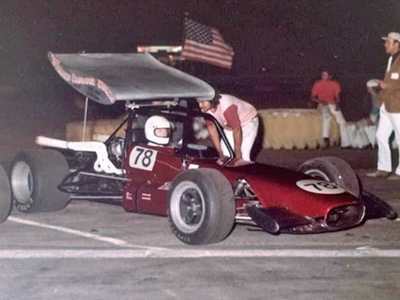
x: 326, y: 92
x: 239, y: 120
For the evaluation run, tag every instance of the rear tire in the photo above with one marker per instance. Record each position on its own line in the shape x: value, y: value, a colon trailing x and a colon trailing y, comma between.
x: 35, y: 176
x: 5, y: 196
x: 201, y: 207
x: 333, y: 169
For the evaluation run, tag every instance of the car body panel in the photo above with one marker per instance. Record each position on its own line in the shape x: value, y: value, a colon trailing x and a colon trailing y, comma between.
x: 146, y: 193
x: 274, y: 186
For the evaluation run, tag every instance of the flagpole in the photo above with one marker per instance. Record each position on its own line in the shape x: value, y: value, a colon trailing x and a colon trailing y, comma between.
x: 184, y: 64
x: 185, y: 16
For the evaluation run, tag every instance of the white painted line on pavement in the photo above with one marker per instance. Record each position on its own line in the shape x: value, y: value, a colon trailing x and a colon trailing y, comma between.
x: 192, y: 253
x: 92, y: 236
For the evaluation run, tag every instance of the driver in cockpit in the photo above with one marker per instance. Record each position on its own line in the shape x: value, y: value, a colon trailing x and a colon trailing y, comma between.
x: 157, y: 130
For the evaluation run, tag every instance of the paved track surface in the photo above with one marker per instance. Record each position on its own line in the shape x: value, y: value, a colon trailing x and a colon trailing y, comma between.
x: 97, y: 251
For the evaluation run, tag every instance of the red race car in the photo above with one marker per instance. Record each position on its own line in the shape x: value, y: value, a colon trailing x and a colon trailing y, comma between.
x: 175, y: 171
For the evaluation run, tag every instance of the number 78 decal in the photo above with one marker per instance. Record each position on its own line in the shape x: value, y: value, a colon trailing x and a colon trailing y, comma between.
x: 142, y: 158
x: 319, y: 187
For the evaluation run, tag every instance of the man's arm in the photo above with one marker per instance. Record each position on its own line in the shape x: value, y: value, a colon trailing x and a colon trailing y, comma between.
x: 237, y: 140
x: 393, y: 85
x: 337, y: 92
x: 337, y: 98
x: 373, y: 92
x: 314, y: 93
x: 314, y: 98
x: 212, y: 130
x: 233, y: 121
x: 391, y: 82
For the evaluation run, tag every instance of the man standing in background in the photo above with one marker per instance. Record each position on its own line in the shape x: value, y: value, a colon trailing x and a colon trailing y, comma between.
x: 326, y: 93
x: 389, y: 113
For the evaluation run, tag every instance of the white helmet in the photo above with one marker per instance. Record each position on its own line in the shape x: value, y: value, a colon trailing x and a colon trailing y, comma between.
x: 152, y: 124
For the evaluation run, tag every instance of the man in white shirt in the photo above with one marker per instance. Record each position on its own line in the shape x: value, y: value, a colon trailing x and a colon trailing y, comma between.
x: 239, y: 120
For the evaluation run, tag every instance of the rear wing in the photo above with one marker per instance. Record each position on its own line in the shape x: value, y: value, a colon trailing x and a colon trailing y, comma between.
x: 106, y: 78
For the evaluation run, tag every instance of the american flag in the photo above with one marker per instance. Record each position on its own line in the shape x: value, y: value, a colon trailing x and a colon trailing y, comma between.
x: 204, y: 43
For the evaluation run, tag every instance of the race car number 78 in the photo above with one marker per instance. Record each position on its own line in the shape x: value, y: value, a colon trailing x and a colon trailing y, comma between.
x: 319, y: 187
x: 142, y: 158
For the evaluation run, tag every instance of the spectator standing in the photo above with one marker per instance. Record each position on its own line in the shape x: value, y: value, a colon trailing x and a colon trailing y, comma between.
x: 326, y: 92
x: 239, y: 120
x: 389, y: 113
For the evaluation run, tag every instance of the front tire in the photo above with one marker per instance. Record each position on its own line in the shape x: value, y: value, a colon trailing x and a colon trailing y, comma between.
x: 5, y: 196
x: 201, y: 207
x: 333, y: 169
x: 35, y: 176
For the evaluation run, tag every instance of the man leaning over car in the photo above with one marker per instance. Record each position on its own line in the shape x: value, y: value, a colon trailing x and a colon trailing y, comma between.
x: 239, y: 120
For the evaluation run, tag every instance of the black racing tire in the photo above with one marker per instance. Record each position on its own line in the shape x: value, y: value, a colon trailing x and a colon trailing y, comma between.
x: 201, y: 207
x: 335, y: 170
x: 35, y: 176
x: 5, y: 196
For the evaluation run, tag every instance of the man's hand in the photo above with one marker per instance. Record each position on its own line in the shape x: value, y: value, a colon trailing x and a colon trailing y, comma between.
x: 238, y: 162
x: 241, y: 162
x: 235, y: 162
x: 238, y: 154
x: 214, y: 136
x: 382, y: 84
x: 222, y: 160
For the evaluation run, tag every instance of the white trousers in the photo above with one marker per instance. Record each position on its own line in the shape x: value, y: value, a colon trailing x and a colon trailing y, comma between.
x: 249, y: 134
x: 327, y: 111
x: 387, y: 123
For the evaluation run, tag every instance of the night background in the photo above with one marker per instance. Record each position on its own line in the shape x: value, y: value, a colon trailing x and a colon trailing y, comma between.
x: 292, y: 40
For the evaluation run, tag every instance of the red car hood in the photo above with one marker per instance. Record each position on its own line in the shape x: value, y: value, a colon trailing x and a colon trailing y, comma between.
x: 280, y: 187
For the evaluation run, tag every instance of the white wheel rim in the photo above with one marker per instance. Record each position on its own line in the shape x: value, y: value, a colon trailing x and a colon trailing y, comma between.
x: 22, y: 182
x: 187, y: 207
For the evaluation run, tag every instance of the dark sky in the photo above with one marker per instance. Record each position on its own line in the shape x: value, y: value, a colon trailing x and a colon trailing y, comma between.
x: 287, y: 37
